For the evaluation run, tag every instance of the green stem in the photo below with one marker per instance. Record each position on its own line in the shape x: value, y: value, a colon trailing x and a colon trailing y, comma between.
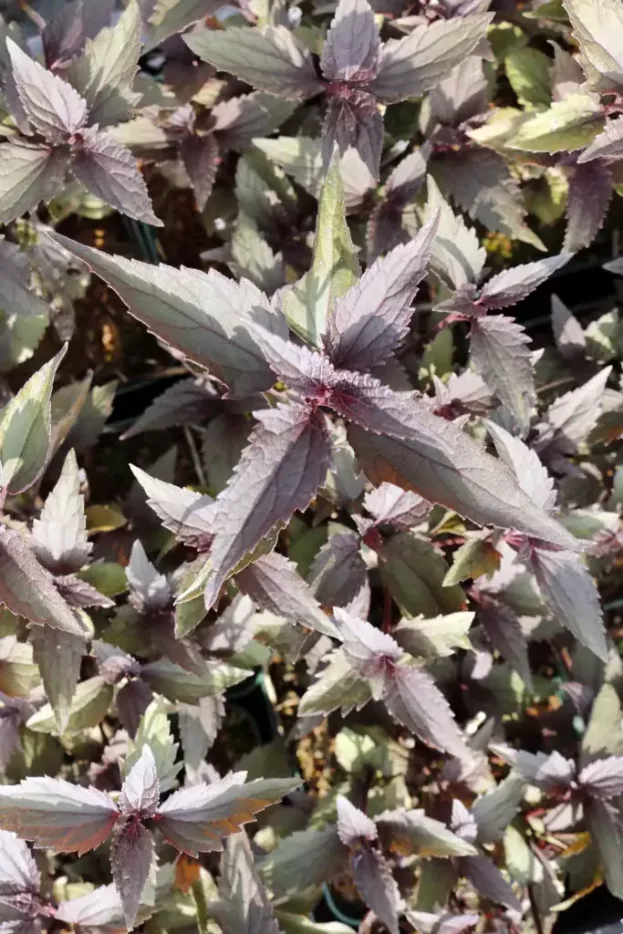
x: 201, y: 904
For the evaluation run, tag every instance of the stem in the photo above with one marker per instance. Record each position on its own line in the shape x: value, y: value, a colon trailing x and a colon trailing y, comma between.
x: 201, y: 904
x: 387, y: 610
x: 194, y: 453
x: 535, y: 911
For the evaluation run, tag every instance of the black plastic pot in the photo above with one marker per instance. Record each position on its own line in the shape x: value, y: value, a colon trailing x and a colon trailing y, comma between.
x: 597, y: 913
x: 250, y: 696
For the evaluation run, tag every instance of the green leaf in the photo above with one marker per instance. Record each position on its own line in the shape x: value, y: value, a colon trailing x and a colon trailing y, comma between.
x: 597, y: 26
x: 177, y: 684
x: 305, y: 858
x: 437, y: 358
x: 154, y: 730
x: 414, y: 832
x: 19, y: 338
x: 335, y: 267
x: 603, y: 736
x: 529, y: 74
x: 18, y: 672
x: 475, y: 557
x: 25, y: 429
x: 352, y: 749
x: 253, y: 256
x: 435, y: 638
x: 106, y: 576
x: 59, y: 656
x: 337, y: 686
x: 88, y: 708
x: 104, y: 73
x: 173, y: 16
x: 414, y: 573
x: 567, y: 125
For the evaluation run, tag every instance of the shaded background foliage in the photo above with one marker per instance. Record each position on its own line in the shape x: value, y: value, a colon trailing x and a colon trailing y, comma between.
x: 328, y: 521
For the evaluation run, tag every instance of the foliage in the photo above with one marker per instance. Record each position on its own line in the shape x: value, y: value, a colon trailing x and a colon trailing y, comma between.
x: 396, y: 520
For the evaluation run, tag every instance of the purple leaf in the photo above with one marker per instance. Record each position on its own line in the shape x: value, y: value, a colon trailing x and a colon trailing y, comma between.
x: 607, y: 144
x: 150, y: 591
x: 590, y: 193
x: 487, y: 879
x: 369, y: 322
x: 369, y: 650
x: 480, y: 182
x: 304, y: 370
x: 112, y: 662
x: 53, y: 813
x: 194, y: 820
x: 189, y: 515
x: 52, y: 106
x: 28, y: 589
x: 286, y: 461
x: 15, y: 286
x: 269, y: 58
x: 352, y: 47
x: 377, y: 886
x: 499, y: 349
x: 385, y: 229
x: 71, y: 25
x: 514, y: 284
x: 353, y: 826
x: 97, y: 910
x: 104, y: 73
x: 243, y: 906
x: 274, y: 584
x: 462, y: 95
x: 571, y: 596
x: 200, y: 157
x: 390, y: 505
x: 464, y: 394
x: 59, y: 656
x: 132, y: 700
x: 573, y: 415
x: 140, y: 793
x: 353, y: 121
x: 131, y: 855
x: 240, y: 120
x: 59, y: 535
x: 505, y: 635
x: 187, y: 402
x: 110, y: 172
x: 78, y: 594
x: 603, y: 778
x: 432, y: 457
x: 531, y: 474
x: 199, y: 725
x: 568, y: 332
x: 29, y: 174
x: 411, y: 66
x: 203, y: 315
x: 550, y: 772
x: 18, y: 869
x: 415, y: 701
x: 338, y: 572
